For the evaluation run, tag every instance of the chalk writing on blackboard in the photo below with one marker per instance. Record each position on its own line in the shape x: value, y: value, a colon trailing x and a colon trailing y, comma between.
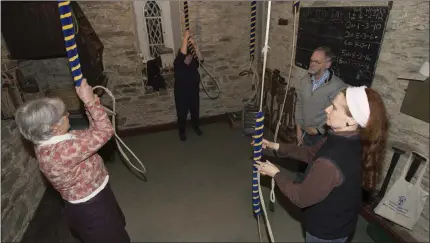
x: 354, y: 34
x: 363, y: 74
x: 356, y: 55
x: 326, y: 14
x: 366, y: 26
x: 358, y: 44
x: 361, y: 36
x: 368, y: 14
x: 357, y: 65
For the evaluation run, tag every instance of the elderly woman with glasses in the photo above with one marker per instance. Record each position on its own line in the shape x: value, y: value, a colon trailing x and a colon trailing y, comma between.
x: 69, y: 160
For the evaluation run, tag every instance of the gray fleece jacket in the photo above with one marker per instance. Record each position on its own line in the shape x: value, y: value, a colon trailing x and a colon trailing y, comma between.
x: 310, y: 105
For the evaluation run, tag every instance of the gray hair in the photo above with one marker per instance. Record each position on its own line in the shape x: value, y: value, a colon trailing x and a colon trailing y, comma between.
x: 35, y: 118
x: 329, y: 55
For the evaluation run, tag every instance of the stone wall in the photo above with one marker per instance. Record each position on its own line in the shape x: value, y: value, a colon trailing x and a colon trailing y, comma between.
x: 22, y: 184
x: 222, y: 32
x: 217, y: 25
x: 113, y: 22
x: 405, y: 47
x: 6, y: 63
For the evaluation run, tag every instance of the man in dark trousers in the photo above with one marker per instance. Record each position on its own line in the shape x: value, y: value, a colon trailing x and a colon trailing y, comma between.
x: 315, y: 92
x: 186, y: 87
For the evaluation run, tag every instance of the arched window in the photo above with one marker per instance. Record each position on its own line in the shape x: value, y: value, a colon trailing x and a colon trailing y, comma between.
x: 154, y: 26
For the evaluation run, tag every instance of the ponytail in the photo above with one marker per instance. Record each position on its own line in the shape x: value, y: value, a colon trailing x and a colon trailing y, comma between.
x: 373, y: 140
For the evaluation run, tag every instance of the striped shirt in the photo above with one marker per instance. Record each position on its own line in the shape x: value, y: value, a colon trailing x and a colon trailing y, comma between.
x: 317, y: 83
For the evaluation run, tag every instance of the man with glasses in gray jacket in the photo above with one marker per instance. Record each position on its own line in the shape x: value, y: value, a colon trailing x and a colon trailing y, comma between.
x: 315, y: 93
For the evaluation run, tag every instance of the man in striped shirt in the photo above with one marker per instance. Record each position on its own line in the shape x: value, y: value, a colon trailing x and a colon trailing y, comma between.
x: 315, y: 92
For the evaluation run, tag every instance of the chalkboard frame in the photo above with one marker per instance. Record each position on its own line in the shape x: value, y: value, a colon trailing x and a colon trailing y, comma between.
x: 302, y: 55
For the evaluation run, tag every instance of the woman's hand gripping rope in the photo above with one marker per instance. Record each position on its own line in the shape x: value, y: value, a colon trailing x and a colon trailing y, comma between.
x: 267, y: 168
x: 272, y: 146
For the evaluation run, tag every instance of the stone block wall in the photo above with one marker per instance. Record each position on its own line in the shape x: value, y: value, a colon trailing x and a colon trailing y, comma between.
x: 49, y: 74
x: 22, y: 184
x: 217, y: 25
x: 222, y: 32
x: 405, y: 47
x: 113, y: 23
x: 6, y: 63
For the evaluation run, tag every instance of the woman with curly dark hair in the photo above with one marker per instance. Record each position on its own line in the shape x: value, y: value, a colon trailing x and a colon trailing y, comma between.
x: 340, y: 165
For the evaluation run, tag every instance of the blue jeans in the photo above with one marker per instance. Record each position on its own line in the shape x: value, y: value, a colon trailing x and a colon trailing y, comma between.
x: 312, y: 239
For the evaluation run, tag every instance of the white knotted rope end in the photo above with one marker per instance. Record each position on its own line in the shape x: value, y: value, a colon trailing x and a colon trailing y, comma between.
x: 265, y: 49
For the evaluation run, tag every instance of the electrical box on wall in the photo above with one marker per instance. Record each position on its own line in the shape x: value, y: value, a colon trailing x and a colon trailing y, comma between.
x: 416, y: 101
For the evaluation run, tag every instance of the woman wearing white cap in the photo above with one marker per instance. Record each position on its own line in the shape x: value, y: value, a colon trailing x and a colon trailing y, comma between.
x: 339, y: 166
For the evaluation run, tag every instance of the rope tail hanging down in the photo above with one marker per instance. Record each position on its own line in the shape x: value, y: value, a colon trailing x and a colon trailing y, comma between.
x: 201, y: 66
x: 296, y: 5
x: 257, y: 197
x: 75, y: 67
x: 251, y: 68
x: 252, y: 30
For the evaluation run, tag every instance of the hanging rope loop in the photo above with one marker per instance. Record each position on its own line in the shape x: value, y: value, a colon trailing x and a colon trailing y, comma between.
x: 265, y: 50
x: 201, y: 65
x: 278, y: 125
x: 75, y: 66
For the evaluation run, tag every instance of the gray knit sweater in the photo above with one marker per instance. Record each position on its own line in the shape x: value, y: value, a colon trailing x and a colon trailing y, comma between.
x: 310, y: 105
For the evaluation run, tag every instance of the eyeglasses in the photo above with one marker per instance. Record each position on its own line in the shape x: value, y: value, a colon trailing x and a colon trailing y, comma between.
x: 317, y: 62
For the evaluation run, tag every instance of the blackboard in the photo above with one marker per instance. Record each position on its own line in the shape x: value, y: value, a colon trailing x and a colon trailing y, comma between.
x: 354, y: 34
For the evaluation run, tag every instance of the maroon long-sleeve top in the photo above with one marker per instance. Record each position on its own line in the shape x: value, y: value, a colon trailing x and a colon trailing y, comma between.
x: 323, y: 176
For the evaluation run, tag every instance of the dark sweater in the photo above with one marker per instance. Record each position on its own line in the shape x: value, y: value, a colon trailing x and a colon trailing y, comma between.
x: 323, y: 175
x: 331, y: 191
x: 187, y: 78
